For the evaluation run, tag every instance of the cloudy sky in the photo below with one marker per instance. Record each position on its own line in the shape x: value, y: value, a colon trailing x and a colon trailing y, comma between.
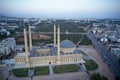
x: 61, y: 8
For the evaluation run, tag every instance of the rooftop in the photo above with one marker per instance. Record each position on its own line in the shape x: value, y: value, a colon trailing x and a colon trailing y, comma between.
x: 52, y: 52
x: 22, y: 54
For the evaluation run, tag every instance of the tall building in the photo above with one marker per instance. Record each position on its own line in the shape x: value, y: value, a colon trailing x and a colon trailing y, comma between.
x: 7, y: 45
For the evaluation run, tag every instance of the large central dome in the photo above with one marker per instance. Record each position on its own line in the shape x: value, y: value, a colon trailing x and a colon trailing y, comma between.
x: 67, y: 44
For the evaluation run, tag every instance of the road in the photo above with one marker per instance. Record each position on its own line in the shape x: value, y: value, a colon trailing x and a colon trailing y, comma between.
x: 61, y: 33
x: 108, y: 56
x: 103, y: 69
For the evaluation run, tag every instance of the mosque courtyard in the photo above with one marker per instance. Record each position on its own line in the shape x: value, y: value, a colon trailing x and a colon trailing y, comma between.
x: 91, y: 53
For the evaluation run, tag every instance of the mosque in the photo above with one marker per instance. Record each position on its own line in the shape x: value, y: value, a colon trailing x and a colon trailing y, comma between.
x: 60, y: 53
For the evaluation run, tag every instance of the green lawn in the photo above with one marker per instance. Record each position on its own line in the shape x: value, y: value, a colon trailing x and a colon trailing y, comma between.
x: 73, y: 37
x: 90, y: 65
x: 23, y: 72
x: 66, y: 68
x: 97, y: 76
x: 41, y: 70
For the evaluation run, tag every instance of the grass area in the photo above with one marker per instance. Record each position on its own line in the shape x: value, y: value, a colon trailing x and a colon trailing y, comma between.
x: 23, y: 72
x: 64, y: 25
x: 90, y: 65
x: 66, y: 68
x: 73, y: 37
x: 41, y: 70
x: 97, y: 76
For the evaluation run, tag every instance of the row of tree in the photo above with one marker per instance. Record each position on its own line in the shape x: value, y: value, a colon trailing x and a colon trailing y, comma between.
x: 97, y: 76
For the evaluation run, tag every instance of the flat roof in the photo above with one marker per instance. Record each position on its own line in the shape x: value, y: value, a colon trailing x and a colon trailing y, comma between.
x: 53, y: 52
x: 21, y: 54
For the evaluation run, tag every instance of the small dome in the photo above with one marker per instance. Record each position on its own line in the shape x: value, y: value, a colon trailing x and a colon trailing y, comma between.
x: 67, y: 44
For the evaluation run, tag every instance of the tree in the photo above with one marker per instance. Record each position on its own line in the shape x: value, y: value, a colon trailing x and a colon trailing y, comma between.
x: 117, y: 78
x: 97, y: 76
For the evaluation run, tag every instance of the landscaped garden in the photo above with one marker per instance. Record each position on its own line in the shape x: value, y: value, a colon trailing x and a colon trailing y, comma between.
x: 66, y: 68
x: 23, y: 72
x: 90, y: 65
x: 97, y: 76
x: 44, y: 70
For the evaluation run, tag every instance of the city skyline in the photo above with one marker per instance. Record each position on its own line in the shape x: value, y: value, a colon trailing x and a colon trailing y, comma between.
x: 61, y: 8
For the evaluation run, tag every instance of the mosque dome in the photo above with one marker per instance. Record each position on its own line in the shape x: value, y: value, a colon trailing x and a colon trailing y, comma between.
x: 67, y: 44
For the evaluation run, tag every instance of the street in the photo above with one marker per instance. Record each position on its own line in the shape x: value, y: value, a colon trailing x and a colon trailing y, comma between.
x: 108, y: 56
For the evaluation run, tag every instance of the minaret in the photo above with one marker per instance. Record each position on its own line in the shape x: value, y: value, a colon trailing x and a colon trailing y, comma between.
x: 54, y: 35
x: 26, y: 48
x: 30, y: 39
x: 58, y: 51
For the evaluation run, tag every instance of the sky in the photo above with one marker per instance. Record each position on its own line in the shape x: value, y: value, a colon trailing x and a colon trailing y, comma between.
x: 61, y: 8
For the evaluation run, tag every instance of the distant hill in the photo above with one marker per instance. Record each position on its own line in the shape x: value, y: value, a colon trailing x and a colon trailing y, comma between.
x: 2, y: 16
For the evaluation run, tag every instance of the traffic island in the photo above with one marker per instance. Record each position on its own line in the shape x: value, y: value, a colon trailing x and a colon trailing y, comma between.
x: 66, y: 68
x: 90, y: 65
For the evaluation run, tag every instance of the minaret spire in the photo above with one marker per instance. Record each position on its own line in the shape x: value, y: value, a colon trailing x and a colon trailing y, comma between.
x: 30, y: 39
x: 54, y: 35
x: 26, y: 47
x: 58, y: 51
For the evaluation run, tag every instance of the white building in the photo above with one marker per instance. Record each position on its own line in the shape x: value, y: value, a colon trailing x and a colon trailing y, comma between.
x: 116, y: 51
x: 104, y: 39
x: 4, y: 32
x: 96, y: 30
x: 7, y: 45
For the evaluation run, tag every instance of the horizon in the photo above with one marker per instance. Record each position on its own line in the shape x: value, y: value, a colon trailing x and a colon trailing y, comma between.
x: 60, y: 8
